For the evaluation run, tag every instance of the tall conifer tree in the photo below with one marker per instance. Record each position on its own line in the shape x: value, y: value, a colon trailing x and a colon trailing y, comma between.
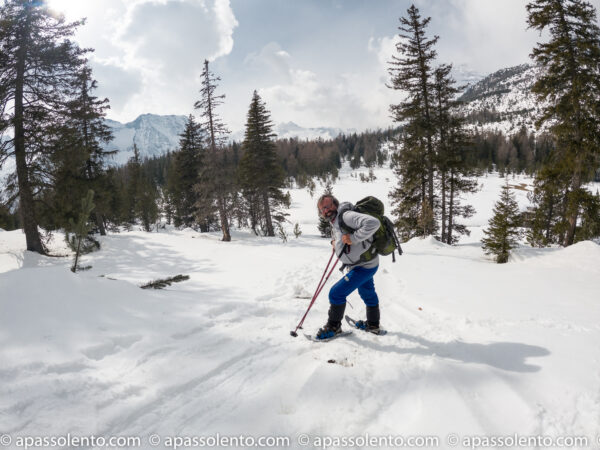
x: 38, y: 66
x: 260, y: 172
x: 569, y: 84
x: 184, y: 174
x: 216, y: 177
x: 456, y: 177
x: 79, y: 153
x: 412, y: 73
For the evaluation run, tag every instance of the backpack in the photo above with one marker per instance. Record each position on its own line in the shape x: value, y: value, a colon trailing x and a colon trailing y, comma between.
x: 385, y: 240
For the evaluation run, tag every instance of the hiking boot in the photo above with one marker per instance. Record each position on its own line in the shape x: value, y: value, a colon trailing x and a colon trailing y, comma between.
x: 329, y: 330
x: 371, y: 327
x: 336, y: 313
x: 373, y: 315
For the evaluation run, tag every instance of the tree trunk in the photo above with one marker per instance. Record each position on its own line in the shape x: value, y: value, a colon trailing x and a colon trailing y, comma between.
x: 444, y: 206
x: 549, y: 219
x: 572, y: 210
x: 450, y: 208
x: 26, y: 203
x: 267, y: 208
x: 223, y: 218
x: 100, y: 223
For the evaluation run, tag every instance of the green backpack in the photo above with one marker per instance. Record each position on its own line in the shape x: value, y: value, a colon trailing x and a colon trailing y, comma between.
x: 385, y: 240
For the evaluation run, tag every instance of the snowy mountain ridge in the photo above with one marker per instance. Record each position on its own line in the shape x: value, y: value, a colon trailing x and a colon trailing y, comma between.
x: 503, y: 100
x: 155, y: 135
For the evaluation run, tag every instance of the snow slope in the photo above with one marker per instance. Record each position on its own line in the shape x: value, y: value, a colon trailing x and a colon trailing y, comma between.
x: 506, y: 93
x: 473, y: 348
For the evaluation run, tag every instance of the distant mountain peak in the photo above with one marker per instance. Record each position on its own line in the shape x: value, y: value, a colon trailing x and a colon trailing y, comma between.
x: 153, y: 134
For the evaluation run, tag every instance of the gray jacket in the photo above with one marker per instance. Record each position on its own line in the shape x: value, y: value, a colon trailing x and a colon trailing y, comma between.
x: 365, y: 227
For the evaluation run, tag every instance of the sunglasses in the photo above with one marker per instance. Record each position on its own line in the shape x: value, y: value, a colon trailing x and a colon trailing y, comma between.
x: 325, y: 208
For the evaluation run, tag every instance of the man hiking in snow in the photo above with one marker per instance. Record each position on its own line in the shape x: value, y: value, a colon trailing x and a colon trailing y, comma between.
x: 349, y: 247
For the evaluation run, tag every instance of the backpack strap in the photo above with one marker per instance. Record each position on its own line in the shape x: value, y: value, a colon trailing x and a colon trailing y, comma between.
x: 343, y: 225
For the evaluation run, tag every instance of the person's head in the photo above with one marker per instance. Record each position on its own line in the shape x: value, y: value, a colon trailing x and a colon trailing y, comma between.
x: 328, y: 206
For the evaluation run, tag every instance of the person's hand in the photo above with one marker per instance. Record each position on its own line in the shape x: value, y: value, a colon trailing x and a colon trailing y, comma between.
x: 333, y: 243
x: 346, y: 239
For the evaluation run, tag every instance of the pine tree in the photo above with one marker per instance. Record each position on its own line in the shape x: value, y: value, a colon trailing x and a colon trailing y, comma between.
x: 86, y: 114
x: 38, y: 67
x: 503, y: 230
x: 133, y: 186
x: 546, y: 218
x: 260, y: 173
x: 453, y: 149
x: 184, y: 174
x: 324, y: 224
x: 81, y: 228
x: 297, y: 230
x: 415, y: 161
x: 590, y: 218
x: 215, y: 187
x: 78, y: 156
x: 408, y: 197
x: 569, y: 84
x: 147, y: 202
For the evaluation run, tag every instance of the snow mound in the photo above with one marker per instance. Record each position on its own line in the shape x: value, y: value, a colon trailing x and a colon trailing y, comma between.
x: 429, y: 242
x: 584, y: 255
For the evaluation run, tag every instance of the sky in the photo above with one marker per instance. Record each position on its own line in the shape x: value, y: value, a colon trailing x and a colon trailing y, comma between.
x: 314, y: 62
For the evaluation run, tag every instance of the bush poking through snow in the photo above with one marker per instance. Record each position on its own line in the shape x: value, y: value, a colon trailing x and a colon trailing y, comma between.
x: 297, y: 230
x: 281, y: 232
x: 81, y: 230
x: 163, y: 283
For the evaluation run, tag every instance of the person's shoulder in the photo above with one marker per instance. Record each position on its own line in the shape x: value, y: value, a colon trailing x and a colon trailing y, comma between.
x: 345, y: 206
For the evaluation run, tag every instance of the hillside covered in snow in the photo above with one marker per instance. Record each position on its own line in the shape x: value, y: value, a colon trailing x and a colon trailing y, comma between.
x: 473, y: 348
x: 503, y: 101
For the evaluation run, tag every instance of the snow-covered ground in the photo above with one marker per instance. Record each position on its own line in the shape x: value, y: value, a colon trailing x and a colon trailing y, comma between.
x: 473, y: 348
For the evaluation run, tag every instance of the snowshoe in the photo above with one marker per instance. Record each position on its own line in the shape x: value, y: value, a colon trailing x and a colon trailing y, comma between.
x: 335, y: 336
x: 329, y: 331
x: 364, y: 326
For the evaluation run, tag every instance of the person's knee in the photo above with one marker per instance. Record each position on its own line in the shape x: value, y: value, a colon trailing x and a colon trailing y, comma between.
x: 336, y: 297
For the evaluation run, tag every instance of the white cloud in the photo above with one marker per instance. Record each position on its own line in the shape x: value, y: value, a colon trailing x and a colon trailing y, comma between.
x: 484, y: 35
x: 149, y: 53
x: 116, y: 83
x: 383, y: 48
x: 272, y: 58
x: 178, y: 35
x: 349, y: 100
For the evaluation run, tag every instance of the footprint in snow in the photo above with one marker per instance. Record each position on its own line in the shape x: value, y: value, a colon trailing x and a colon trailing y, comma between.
x: 116, y: 344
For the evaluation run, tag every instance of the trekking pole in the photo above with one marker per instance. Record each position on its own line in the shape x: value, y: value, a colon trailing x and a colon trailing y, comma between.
x: 317, y: 292
x: 312, y: 300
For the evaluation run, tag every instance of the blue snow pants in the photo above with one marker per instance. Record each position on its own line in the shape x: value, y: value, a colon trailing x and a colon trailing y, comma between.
x: 360, y: 278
